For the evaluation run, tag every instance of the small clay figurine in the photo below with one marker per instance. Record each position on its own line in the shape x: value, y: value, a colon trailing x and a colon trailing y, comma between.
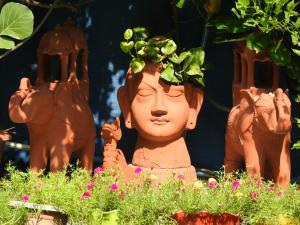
x: 160, y: 113
x: 56, y: 111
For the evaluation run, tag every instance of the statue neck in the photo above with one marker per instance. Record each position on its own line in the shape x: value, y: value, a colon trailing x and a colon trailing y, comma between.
x: 169, y: 154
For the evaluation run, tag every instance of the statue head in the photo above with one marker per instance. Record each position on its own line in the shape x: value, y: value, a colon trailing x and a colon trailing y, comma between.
x: 160, y: 112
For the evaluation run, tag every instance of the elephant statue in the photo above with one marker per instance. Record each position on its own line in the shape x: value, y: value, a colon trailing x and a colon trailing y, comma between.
x: 258, y: 133
x: 59, y: 122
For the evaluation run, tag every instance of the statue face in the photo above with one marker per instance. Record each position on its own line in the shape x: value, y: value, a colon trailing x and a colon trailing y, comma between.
x: 159, y: 111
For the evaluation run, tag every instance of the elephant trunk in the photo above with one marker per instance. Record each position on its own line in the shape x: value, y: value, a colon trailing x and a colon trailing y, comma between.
x: 282, y: 113
x: 16, y: 113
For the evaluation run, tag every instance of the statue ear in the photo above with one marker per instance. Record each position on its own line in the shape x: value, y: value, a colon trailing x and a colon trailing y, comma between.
x: 124, y: 103
x: 195, y: 103
x: 247, y: 99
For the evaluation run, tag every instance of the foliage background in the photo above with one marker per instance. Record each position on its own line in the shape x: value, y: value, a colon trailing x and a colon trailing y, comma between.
x: 104, y: 23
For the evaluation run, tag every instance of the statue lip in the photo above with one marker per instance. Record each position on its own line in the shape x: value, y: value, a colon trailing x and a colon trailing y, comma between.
x: 159, y: 121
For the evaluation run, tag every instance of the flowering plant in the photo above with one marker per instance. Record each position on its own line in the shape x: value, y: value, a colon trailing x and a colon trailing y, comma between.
x: 256, y: 202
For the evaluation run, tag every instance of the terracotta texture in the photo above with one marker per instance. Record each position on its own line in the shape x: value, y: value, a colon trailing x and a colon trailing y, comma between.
x: 245, y: 61
x: 258, y: 129
x: 258, y: 132
x: 56, y: 109
x: 4, y: 136
x: 160, y: 113
x: 205, y: 218
x: 47, y: 218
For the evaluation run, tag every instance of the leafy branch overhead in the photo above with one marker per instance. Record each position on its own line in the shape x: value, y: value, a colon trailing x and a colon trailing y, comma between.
x: 270, y: 25
x: 178, y: 68
x: 16, y: 22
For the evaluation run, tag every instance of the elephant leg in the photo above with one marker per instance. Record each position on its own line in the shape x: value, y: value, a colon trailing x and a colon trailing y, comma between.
x: 253, y: 158
x: 59, y: 157
x: 233, y: 158
x: 281, y: 166
x: 86, y: 155
x: 38, y: 157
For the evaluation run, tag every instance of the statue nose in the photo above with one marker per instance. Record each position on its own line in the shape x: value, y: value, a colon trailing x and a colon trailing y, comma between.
x: 159, y: 107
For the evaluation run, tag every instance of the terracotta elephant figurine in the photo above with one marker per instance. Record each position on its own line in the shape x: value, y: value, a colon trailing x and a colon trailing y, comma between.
x: 59, y: 122
x: 258, y: 133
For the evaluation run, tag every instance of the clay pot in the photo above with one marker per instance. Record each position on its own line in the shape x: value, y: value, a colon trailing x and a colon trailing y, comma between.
x: 48, y: 215
x: 47, y: 218
x: 205, y: 218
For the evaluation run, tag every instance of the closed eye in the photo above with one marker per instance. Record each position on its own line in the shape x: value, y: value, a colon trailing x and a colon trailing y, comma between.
x: 145, y: 93
x: 175, y: 93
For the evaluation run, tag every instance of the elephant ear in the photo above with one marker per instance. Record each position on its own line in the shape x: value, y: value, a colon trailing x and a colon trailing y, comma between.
x: 247, y: 100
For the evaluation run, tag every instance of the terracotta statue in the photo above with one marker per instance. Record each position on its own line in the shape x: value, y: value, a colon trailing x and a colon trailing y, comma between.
x: 258, y: 133
x: 4, y: 136
x: 160, y: 113
x: 56, y: 111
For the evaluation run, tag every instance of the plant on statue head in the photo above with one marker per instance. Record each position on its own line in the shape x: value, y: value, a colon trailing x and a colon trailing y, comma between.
x: 178, y: 68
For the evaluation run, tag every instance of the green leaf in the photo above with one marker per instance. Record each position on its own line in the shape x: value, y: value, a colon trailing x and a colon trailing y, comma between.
x: 151, y: 51
x: 5, y: 43
x: 110, y: 218
x: 16, y: 21
x: 157, y: 58
x: 194, y: 69
x: 128, y: 34
x: 198, y: 80
x: 297, y: 23
x: 296, y: 51
x: 126, y: 46
x: 169, y: 48
x: 180, y: 3
x: 232, y: 25
x: 137, y: 65
x: 168, y: 75
x: 199, y: 55
x: 140, y: 44
x: 296, y: 145
x: 140, y: 33
x: 183, y: 56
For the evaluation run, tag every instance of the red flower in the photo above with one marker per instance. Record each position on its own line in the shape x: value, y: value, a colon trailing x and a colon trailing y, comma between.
x: 271, y: 188
x: 98, y: 170
x: 25, y: 198
x: 235, y: 184
x: 212, y: 183
x: 113, y: 187
x: 253, y: 196
x: 85, y: 195
x: 138, y: 170
x: 90, y: 186
x: 259, y: 184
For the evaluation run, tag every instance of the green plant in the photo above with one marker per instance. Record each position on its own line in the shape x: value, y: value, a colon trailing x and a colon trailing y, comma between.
x: 101, y: 198
x: 271, y: 25
x: 177, y: 68
x: 16, y: 21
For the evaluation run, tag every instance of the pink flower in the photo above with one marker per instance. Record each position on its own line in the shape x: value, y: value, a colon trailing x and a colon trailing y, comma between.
x: 259, y: 185
x: 113, y: 187
x: 235, y: 184
x: 180, y: 177
x: 98, y: 170
x: 212, y: 183
x: 271, y: 188
x: 138, y: 170
x: 280, y: 194
x: 85, y: 195
x: 90, y: 186
x: 25, y: 198
x: 253, y: 196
